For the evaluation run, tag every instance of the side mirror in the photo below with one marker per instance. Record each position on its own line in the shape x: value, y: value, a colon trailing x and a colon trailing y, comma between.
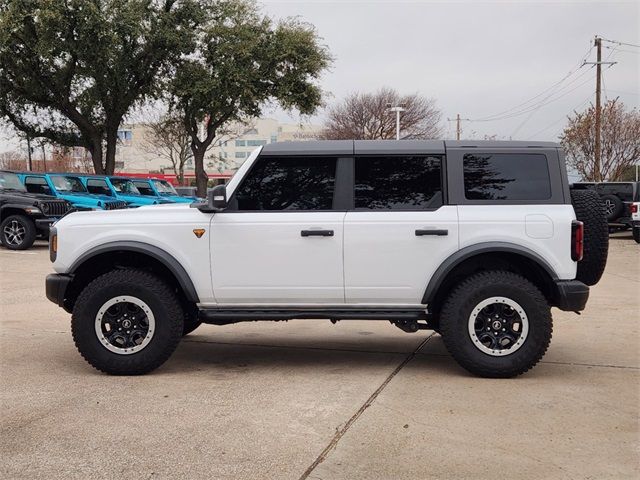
x: 217, y: 198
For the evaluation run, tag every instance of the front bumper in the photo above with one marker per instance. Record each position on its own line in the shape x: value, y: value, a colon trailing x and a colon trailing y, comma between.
x: 571, y: 295
x: 56, y: 286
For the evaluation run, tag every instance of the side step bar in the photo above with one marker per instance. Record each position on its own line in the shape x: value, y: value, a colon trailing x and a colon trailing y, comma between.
x: 224, y: 316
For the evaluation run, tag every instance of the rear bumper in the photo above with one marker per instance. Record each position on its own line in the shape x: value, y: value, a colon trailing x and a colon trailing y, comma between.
x: 571, y: 295
x: 56, y: 287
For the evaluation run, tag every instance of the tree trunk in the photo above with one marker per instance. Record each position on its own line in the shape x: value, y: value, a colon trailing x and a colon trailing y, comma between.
x: 110, y: 157
x: 201, y: 176
x: 96, y: 155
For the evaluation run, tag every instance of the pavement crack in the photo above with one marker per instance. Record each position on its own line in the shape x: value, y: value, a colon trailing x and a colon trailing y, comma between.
x: 342, y: 431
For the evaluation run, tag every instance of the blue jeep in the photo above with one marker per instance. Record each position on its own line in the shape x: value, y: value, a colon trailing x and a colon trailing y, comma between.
x: 120, y: 188
x: 68, y: 187
x: 161, y: 189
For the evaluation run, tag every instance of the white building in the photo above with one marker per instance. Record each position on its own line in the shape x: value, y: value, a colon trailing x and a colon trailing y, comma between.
x: 135, y: 155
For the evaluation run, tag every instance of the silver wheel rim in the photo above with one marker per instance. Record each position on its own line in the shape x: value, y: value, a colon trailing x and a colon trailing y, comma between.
x: 125, y: 325
x: 14, y: 232
x: 608, y: 206
x: 492, y: 326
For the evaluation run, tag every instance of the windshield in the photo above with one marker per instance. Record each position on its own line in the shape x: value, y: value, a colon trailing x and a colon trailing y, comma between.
x: 124, y: 185
x: 144, y: 188
x: 164, y: 187
x: 10, y: 181
x: 68, y: 184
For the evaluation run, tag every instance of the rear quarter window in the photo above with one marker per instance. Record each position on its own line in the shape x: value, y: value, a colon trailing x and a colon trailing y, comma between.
x: 506, y: 176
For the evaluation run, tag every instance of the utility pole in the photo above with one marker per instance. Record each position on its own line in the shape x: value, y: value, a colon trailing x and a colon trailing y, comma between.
x: 596, y: 165
x: 458, y: 126
x: 597, y: 143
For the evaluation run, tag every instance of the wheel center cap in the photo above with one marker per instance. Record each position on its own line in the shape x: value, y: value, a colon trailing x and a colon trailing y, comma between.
x: 496, y: 324
x: 126, y: 323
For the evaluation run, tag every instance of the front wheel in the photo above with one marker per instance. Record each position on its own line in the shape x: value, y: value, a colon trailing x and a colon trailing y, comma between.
x: 17, y: 232
x: 127, y: 322
x: 496, y: 324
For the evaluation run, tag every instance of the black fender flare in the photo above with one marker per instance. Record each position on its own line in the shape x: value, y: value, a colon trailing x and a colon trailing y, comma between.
x: 157, y: 253
x: 460, y: 256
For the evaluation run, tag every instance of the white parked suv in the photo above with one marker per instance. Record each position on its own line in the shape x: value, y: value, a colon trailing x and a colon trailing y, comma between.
x: 476, y: 240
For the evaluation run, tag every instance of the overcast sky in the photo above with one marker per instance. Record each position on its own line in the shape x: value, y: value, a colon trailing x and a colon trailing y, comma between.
x: 477, y: 58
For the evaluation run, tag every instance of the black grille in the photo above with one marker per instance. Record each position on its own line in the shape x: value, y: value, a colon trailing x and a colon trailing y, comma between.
x: 54, y: 209
x: 116, y: 205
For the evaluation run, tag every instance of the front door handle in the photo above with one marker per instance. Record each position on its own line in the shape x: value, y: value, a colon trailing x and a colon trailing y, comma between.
x: 431, y: 231
x: 316, y: 233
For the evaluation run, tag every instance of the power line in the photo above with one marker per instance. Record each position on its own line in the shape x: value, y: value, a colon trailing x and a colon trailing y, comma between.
x: 560, y: 119
x: 616, y: 49
x: 544, y: 102
x: 571, y: 72
x: 620, y: 43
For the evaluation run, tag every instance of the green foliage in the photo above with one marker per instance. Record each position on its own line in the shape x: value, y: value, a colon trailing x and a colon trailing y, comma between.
x: 71, y: 70
x: 242, y: 61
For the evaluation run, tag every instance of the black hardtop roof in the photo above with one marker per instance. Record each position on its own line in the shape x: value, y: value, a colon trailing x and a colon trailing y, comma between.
x: 387, y: 147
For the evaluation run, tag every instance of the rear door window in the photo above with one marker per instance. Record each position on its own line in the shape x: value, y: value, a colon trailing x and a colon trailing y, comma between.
x: 506, y: 176
x: 144, y: 188
x: 398, y: 183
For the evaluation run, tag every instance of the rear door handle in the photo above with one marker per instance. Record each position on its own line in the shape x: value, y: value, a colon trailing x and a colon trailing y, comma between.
x: 316, y: 233
x: 431, y: 231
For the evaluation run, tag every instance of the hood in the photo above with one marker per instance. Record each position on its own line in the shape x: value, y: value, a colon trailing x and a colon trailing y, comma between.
x: 138, y: 217
x: 26, y: 197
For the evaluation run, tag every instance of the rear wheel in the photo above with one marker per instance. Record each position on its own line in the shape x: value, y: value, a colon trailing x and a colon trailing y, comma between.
x: 496, y: 324
x: 636, y: 234
x: 590, y: 210
x: 127, y: 322
x: 17, y: 232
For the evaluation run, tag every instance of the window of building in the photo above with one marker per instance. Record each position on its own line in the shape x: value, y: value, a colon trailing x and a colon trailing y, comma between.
x: 274, y: 138
x: 288, y: 183
x: 398, y: 183
x: 241, y: 154
x: 506, y: 176
x: 241, y: 143
x: 125, y: 135
x: 256, y: 143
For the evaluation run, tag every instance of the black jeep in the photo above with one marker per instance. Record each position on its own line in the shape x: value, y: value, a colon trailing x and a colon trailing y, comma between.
x: 23, y: 215
x: 618, y: 199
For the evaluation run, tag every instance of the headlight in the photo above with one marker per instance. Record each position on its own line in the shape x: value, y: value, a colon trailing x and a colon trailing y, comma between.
x: 44, y: 207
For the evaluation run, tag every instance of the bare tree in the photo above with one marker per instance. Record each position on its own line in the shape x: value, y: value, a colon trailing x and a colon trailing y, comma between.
x: 620, y: 145
x: 169, y: 139
x: 366, y: 116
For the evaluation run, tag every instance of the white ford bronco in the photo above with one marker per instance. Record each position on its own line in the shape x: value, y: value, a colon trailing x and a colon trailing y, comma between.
x: 475, y: 240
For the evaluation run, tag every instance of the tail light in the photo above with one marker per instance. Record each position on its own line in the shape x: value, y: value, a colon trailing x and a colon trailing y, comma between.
x: 53, y: 244
x: 577, y: 240
x: 634, y: 208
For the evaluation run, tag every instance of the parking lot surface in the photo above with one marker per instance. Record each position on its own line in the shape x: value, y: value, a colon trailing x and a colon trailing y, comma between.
x: 308, y: 399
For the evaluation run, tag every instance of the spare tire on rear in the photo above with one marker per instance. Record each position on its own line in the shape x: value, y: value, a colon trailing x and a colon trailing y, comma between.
x: 591, y: 212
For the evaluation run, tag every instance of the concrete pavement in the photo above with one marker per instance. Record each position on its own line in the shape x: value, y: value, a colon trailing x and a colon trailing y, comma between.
x: 308, y: 399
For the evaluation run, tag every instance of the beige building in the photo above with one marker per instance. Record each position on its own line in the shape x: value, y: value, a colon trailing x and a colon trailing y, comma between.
x: 136, y: 155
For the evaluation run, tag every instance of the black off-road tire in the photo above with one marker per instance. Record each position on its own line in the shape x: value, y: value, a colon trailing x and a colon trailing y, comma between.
x: 28, y: 237
x: 590, y: 211
x: 145, y: 286
x: 458, y: 307
x: 636, y: 234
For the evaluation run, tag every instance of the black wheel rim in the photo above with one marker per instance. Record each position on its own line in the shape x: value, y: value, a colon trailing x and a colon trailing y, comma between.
x: 125, y: 325
x: 498, y: 326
